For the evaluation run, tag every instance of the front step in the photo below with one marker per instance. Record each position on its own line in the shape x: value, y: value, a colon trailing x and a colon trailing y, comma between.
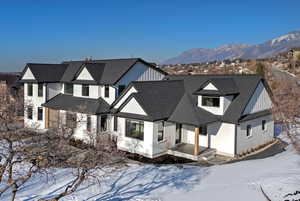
x: 207, y: 155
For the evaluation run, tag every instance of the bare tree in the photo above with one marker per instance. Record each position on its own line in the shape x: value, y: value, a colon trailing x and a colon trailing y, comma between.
x: 25, y: 152
x: 286, y: 104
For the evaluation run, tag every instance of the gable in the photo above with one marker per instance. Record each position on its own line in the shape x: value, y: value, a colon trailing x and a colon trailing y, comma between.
x: 84, y: 75
x: 28, y: 75
x: 259, y: 101
x: 133, y: 107
x: 140, y: 72
x: 125, y: 96
x: 210, y: 86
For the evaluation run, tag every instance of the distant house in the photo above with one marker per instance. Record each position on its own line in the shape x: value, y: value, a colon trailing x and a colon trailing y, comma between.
x: 79, y: 90
x: 190, y: 115
x: 10, y: 81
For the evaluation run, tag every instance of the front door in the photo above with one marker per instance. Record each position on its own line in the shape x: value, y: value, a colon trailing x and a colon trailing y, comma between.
x: 53, y: 118
x: 178, y: 133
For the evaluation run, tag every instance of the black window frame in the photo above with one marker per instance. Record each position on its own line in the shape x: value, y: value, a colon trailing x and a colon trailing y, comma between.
x: 29, y: 89
x: 40, y: 90
x: 106, y: 91
x: 215, y: 101
x: 40, y: 113
x: 85, y: 91
x: 68, y: 88
x: 160, y: 131
x: 29, y: 112
x: 248, y: 130
x: 89, y: 123
x: 140, y: 132
x: 203, y: 130
x: 115, y: 123
x: 263, y: 125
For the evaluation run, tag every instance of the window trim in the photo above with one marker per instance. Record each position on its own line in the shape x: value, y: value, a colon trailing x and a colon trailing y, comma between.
x: 86, y: 87
x: 30, y: 86
x: 248, y: 131
x: 38, y: 114
x: 141, y: 138
x: 161, y: 131
x: 106, y: 91
x: 211, y: 97
x: 40, y: 90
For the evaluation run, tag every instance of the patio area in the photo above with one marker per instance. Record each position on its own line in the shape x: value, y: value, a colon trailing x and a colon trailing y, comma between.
x: 187, y: 151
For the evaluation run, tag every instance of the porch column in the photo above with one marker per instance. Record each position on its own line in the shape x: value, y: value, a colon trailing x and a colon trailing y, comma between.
x: 46, y: 117
x: 196, y: 145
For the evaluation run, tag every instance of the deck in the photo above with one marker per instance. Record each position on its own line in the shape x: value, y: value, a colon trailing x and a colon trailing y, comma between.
x: 187, y: 151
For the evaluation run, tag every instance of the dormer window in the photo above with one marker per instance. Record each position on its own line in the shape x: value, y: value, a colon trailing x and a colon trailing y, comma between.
x: 85, y: 90
x: 210, y: 101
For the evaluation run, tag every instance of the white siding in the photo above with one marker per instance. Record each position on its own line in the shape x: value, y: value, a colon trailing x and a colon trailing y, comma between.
x: 142, y: 147
x: 133, y: 107
x: 93, y: 91
x: 35, y: 101
x: 210, y: 86
x: 53, y: 89
x: 112, y: 94
x: 28, y: 75
x: 130, y: 91
x: 224, y: 103
x: 259, y: 101
x: 258, y: 136
x: 140, y: 72
x: 84, y: 75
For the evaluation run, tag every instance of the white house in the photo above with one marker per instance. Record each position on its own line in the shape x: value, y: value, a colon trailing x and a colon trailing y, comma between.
x: 79, y: 91
x: 189, y: 116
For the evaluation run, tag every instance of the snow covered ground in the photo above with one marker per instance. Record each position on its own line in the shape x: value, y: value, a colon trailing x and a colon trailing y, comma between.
x: 278, y: 175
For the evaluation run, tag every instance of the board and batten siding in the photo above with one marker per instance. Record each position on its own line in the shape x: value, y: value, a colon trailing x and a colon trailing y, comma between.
x: 259, y: 101
x: 140, y: 72
x: 257, y: 137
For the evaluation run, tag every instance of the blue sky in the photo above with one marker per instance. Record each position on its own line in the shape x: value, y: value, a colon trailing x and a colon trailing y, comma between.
x: 57, y: 30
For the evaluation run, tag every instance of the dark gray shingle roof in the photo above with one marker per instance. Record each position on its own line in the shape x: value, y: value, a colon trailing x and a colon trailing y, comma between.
x: 46, y: 72
x: 77, y: 104
x: 174, y: 98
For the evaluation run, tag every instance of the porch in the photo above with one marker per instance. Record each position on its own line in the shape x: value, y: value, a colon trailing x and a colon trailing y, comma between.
x: 185, y: 150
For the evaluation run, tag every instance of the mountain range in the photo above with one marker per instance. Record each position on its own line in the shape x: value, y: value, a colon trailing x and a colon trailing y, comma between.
x: 233, y: 51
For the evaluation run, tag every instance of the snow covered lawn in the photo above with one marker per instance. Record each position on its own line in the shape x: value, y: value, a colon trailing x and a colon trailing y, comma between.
x: 278, y: 175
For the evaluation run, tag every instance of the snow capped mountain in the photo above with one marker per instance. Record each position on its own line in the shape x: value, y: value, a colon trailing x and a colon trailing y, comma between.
x: 233, y: 51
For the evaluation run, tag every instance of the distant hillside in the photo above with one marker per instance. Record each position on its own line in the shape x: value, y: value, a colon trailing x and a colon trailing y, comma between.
x: 233, y: 51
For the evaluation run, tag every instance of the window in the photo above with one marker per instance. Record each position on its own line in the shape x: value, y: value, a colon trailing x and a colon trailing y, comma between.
x: 263, y: 125
x: 85, y: 90
x: 71, y: 120
x: 121, y: 89
x: 29, y: 90
x: 211, y: 101
x: 135, y: 129
x: 249, y: 131
x: 29, y: 112
x: 40, y: 114
x: 203, y: 130
x: 160, y: 133
x: 115, y: 123
x: 40, y: 90
x: 103, y: 122
x: 88, y: 123
x: 68, y: 88
x: 106, y: 91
